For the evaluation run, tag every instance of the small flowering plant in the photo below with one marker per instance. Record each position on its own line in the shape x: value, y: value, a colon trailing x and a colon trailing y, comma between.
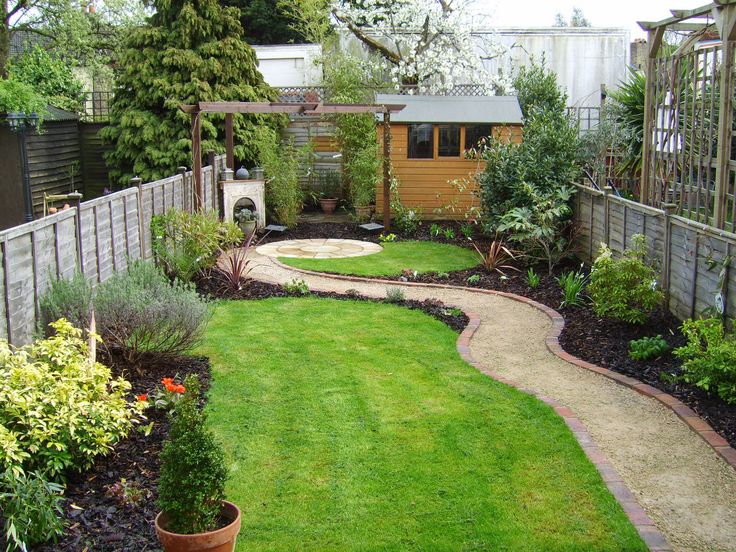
x: 166, y: 396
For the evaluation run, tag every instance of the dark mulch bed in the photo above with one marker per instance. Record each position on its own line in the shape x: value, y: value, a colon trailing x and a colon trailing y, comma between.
x: 317, y: 230
x: 99, y: 522
x: 214, y: 286
x: 350, y: 231
x: 605, y: 342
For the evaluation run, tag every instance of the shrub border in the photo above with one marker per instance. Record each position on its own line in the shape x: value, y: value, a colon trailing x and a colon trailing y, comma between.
x: 654, y: 539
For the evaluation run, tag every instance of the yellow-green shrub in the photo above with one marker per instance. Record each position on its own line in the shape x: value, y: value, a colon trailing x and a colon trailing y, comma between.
x: 625, y: 288
x: 58, y: 409
x: 709, y: 357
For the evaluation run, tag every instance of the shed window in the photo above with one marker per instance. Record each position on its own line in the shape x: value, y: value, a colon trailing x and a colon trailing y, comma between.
x: 449, y: 141
x: 474, y: 134
x: 421, y: 141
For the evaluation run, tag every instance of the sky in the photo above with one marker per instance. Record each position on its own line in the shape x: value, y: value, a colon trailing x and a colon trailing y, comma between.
x: 601, y: 13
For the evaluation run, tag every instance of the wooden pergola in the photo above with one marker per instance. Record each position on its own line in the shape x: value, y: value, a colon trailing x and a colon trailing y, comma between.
x: 303, y: 108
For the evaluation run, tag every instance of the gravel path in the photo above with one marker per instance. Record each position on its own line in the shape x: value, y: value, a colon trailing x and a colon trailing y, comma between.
x: 684, y: 486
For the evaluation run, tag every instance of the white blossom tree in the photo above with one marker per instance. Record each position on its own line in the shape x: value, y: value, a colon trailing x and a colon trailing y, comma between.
x: 426, y: 43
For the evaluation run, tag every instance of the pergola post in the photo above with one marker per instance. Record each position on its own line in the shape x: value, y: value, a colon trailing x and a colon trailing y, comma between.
x: 197, y: 160
x: 654, y: 41
x: 386, y: 169
x: 725, y: 17
x: 229, y: 141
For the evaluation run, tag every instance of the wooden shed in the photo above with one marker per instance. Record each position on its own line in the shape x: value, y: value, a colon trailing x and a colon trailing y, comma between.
x: 429, y: 138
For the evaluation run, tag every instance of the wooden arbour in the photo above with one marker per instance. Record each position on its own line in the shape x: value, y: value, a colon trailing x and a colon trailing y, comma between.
x: 304, y: 108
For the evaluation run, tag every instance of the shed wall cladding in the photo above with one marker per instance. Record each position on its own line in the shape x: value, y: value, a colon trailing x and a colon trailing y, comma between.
x: 53, y: 155
x: 99, y: 238
x: 431, y: 185
x: 695, y: 261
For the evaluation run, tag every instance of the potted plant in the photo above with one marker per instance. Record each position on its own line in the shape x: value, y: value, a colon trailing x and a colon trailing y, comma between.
x: 329, y: 189
x: 363, y: 198
x: 246, y: 219
x: 195, y: 517
x: 361, y: 170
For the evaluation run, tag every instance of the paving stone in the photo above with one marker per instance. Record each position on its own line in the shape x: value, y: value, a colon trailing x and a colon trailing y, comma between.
x: 324, y: 248
x: 371, y: 227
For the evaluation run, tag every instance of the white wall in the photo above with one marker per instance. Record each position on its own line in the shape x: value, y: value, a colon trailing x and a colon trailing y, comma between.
x: 582, y: 58
x: 290, y: 64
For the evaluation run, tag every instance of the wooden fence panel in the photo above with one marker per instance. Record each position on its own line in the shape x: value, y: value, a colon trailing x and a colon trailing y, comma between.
x: 156, y: 199
x: 696, y: 261
x: 582, y: 219
x: 98, y: 238
x: 32, y: 255
x: 682, y: 269
x: 65, y: 246
x: 20, y: 286
x: 4, y: 297
x: 131, y: 226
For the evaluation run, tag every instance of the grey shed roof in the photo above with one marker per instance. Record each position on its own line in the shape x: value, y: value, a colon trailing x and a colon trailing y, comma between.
x: 454, y: 109
x: 58, y: 114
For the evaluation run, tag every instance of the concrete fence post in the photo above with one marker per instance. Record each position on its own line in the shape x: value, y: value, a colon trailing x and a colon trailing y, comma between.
x: 136, y: 182
x: 607, y: 190
x: 211, y: 160
x: 186, y: 198
x: 669, y: 210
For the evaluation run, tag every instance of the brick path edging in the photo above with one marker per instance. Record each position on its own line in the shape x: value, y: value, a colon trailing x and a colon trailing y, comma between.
x: 684, y: 412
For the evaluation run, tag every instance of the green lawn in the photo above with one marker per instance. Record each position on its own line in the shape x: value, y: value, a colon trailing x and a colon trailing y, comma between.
x: 356, y: 426
x: 422, y: 256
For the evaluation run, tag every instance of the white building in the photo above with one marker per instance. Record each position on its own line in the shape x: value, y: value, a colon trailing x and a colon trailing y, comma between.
x: 286, y: 65
x: 583, y: 58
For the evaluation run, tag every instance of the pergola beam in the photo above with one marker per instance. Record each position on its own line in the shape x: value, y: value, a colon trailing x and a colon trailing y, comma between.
x: 689, y: 27
x: 683, y: 15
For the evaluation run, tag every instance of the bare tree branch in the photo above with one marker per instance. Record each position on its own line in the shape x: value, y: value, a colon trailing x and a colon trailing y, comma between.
x: 373, y: 44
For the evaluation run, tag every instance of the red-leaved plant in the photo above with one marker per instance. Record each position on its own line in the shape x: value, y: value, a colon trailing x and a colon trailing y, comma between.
x: 497, y: 257
x: 235, y: 264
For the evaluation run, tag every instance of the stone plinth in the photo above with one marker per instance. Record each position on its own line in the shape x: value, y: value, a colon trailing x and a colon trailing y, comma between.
x: 235, y: 190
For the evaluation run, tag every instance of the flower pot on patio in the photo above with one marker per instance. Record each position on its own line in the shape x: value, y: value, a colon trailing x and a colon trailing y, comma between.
x: 220, y: 540
x: 328, y: 205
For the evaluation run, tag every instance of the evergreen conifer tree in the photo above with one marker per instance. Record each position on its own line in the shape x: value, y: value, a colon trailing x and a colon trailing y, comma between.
x: 189, y: 51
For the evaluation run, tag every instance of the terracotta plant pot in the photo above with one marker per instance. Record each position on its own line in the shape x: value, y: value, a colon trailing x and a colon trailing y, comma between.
x: 328, y: 205
x: 221, y: 540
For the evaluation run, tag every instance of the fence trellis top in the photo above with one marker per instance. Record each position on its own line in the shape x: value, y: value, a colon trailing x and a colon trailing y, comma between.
x: 688, y: 132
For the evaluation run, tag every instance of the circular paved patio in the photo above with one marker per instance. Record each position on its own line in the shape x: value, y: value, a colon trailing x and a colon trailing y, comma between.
x: 327, y: 248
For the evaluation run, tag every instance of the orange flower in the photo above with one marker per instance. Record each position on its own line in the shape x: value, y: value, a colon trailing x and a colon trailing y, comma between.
x: 179, y: 389
x: 142, y: 398
x: 168, y: 381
